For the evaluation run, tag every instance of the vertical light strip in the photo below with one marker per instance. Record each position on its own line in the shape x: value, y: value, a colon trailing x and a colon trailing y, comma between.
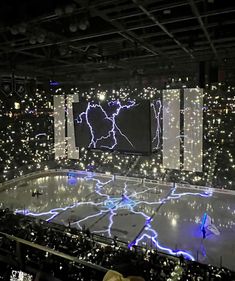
x: 193, y: 129
x: 59, y: 126
x: 171, y: 129
x: 73, y: 152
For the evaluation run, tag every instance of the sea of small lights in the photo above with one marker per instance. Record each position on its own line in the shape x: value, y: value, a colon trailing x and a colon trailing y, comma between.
x: 26, y: 127
x: 20, y: 276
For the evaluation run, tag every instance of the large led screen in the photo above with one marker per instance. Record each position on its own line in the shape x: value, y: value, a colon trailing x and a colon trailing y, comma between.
x: 59, y: 126
x: 114, y: 125
x: 73, y: 152
x: 171, y: 129
x: 193, y: 129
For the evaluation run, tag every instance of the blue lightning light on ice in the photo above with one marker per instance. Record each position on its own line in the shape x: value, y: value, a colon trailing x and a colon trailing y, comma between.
x: 110, y: 206
x: 55, y: 212
x: 148, y: 227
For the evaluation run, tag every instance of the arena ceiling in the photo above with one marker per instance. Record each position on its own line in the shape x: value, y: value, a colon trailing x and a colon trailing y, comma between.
x: 107, y: 40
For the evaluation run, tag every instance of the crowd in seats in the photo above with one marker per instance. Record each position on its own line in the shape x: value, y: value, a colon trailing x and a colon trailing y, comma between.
x: 102, y: 162
x: 27, y: 141
x: 109, y: 254
x: 26, y: 128
x: 140, y: 166
x: 26, y: 145
x: 224, y: 168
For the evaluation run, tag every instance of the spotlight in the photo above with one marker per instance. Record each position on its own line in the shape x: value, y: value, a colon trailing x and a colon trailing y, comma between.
x: 22, y: 28
x: 73, y: 27
x: 167, y: 12
x: 83, y: 23
x: 69, y: 9
x: 41, y: 38
x: 33, y: 40
x: 63, y: 50
x: 14, y: 30
x: 59, y: 11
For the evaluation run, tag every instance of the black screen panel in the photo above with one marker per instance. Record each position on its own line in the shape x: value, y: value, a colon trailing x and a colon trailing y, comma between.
x: 115, y: 125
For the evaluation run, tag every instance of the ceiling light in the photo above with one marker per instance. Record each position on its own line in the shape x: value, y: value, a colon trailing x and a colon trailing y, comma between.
x: 63, y: 50
x: 41, y: 38
x: 32, y: 40
x: 59, y: 11
x: 69, y: 9
x: 167, y: 12
x: 14, y: 30
x: 83, y: 23
x: 22, y: 28
x: 73, y: 27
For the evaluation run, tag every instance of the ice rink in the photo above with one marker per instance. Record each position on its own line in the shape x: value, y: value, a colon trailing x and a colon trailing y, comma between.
x: 143, y: 213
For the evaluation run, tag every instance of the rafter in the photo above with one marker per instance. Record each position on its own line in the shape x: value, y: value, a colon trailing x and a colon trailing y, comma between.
x: 129, y: 35
x: 197, y: 14
x: 163, y: 28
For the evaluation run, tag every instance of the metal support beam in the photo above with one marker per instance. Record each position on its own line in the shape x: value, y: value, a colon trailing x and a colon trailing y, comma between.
x: 129, y: 35
x: 162, y: 7
x: 196, y: 13
x: 44, y: 58
x: 111, y: 32
x: 163, y: 28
